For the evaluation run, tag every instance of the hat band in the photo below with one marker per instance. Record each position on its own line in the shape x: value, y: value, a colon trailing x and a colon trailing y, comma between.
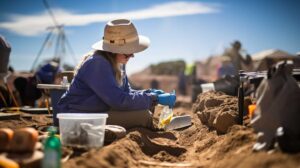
x: 120, y: 41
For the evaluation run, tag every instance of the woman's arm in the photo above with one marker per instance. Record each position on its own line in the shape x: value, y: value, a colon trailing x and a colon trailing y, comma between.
x: 98, y: 75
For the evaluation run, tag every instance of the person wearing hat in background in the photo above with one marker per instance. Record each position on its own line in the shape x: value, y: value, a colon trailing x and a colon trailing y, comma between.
x: 46, y: 73
x: 234, y: 54
x: 5, y: 49
x: 26, y: 86
x: 100, y: 83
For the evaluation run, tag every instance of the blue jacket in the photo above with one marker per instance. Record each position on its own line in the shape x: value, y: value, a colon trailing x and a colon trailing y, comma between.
x: 95, y: 89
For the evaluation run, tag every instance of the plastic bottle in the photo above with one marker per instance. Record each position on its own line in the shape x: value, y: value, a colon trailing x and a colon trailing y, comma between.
x: 52, y: 150
x: 64, y: 81
x: 165, y: 117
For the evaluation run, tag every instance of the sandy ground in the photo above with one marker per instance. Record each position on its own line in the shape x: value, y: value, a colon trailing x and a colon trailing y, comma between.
x: 195, y: 146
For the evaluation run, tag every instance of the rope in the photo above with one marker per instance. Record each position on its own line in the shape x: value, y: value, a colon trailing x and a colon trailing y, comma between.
x: 12, y: 95
x: 47, y: 101
x: 3, y: 99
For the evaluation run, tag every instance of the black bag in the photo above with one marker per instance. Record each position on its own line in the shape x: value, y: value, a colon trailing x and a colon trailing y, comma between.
x: 278, y: 110
x: 27, y: 89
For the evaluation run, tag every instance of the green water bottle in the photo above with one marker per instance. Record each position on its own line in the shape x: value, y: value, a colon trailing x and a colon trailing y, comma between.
x: 52, y: 150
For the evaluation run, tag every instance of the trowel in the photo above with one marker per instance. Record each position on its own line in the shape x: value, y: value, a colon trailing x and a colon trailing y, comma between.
x: 168, y: 122
x: 179, y: 122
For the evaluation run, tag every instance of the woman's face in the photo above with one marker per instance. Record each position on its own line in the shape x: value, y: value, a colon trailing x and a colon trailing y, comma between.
x: 123, y: 58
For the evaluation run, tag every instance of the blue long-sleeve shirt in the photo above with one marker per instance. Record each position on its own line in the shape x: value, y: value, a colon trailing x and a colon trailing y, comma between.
x: 95, y: 89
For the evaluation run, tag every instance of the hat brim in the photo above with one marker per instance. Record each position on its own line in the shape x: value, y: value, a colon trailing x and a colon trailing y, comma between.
x: 139, y: 45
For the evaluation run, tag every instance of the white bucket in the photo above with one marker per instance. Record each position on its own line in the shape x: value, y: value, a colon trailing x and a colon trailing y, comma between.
x: 207, y: 87
x: 82, y: 129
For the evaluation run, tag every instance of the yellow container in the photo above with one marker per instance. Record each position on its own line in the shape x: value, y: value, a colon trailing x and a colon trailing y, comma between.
x: 251, y: 110
x: 165, y: 117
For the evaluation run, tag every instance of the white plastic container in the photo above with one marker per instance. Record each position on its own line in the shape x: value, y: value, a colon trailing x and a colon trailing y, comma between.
x: 207, y: 87
x: 82, y: 129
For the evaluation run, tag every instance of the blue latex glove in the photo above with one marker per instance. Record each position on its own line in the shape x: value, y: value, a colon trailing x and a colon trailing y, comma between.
x: 157, y: 91
x: 167, y: 99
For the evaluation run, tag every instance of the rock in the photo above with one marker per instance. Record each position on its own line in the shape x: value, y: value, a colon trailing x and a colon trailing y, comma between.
x: 223, y: 121
x: 216, y: 110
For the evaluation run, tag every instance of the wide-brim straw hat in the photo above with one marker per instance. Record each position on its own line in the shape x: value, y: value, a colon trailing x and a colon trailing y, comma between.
x: 121, y: 36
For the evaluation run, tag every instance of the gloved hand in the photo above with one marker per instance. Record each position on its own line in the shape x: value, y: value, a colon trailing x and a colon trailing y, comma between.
x: 167, y: 99
x: 157, y: 91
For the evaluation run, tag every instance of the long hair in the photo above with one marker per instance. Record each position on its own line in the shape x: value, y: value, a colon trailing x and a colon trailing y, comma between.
x: 110, y: 57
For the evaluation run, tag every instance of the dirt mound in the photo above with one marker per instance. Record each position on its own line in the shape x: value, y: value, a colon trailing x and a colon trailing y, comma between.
x: 138, y: 146
x: 34, y: 121
x: 216, y: 110
x: 196, y: 146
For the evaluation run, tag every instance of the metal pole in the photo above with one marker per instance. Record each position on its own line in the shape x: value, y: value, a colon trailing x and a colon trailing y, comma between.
x: 241, y: 97
x: 41, y: 50
x: 71, y: 50
x: 58, y: 45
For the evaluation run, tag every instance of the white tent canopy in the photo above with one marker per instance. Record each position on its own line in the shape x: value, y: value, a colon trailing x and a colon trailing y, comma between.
x: 271, y: 53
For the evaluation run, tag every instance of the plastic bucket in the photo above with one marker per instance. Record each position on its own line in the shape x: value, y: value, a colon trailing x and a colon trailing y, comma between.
x: 82, y: 129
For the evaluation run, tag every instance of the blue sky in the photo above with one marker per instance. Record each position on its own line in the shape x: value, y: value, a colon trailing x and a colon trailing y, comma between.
x: 189, y: 30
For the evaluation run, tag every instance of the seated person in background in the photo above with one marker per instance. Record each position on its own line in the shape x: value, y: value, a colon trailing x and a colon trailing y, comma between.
x: 46, y: 74
x: 27, y: 87
x: 100, y: 83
